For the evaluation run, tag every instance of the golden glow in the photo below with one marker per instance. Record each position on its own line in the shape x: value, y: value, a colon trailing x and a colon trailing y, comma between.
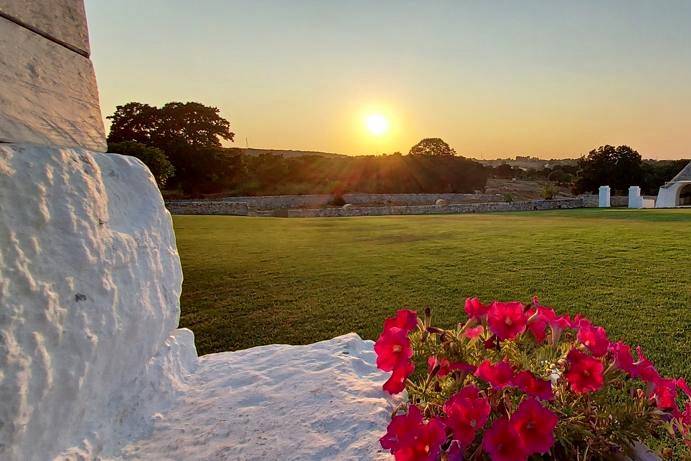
x: 377, y: 124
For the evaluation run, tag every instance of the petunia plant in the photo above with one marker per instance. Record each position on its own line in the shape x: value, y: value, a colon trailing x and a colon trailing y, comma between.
x: 518, y: 382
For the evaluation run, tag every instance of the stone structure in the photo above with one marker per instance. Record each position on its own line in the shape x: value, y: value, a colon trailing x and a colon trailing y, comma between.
x: 209, y: 207
x: 676, y: 192
x: 635, y: 199
x: 275, y: 202
x: 604, y: 197
x: 48, y: 92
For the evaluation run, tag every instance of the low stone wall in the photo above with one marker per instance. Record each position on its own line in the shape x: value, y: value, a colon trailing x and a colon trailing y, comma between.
x: 533, y: 205
x: 275, y: 202
x: 207, y: 207
x: 615, y: 201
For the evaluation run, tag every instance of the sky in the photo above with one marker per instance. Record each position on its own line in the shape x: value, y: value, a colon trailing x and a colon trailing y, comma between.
x: 553, y: 79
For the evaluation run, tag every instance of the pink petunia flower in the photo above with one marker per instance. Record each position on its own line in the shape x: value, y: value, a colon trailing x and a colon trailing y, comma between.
x: 665, y: 393
x: 400, y: 429
x: 466, y: 413
x: 392, y: 348
x: 396, y: 383
x: 425, y: 443
x: 585, y: 373
x: 644, y: 368
x: 503, y: 443
x: 595, y: 339
x: 474, y: 332
x: 623, y: 358
x: 534, y: 386
x: 535, y: 425
x: 507, y: 320
x: 405, y: 319
x: 475, y: 309
x: 537, y: 325
x: 498, y: 375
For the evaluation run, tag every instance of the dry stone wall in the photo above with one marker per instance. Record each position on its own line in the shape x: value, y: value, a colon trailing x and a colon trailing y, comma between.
x: 274, y: 202
x: 203, y: 207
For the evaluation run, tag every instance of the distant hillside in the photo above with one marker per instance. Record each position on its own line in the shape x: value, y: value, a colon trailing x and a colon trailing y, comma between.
x: 286, y: 153
x: 527, y: 163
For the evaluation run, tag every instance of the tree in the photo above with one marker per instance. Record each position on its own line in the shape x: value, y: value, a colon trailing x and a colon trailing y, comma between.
x: 432, y: 146
x: 173, y: 125
x: 152, y: 157
x: 617, y: 167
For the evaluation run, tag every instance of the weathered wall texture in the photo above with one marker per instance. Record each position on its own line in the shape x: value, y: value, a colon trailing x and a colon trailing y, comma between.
x: 48, y: 92
x: 534, y: 205
x: 202, y: 207
x: 62, y: 20
x: 275, y: 202
x: 90, y: 281
x: 591, y: 201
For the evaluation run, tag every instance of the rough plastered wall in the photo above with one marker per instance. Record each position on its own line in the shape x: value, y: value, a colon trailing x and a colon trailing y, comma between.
x: 90, y: 281
x: 48, y: 92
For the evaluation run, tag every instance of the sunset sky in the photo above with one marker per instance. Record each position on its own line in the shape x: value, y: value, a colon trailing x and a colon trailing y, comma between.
x: 545, y: 78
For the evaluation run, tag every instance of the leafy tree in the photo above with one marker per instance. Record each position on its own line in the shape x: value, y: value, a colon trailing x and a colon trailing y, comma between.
x: 618, y: 167
x: 173, y: 125
x: 432, y: 146
x: 152, y: 157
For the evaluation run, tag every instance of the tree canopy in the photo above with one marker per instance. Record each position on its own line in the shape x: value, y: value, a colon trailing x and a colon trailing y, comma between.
x: 618, y: 167
x: 432, y: 146
x: 174, y: 124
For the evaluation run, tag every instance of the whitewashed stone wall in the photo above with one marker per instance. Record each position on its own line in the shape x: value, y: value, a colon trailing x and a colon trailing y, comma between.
x: 48, y: 92
x: 89, y: 287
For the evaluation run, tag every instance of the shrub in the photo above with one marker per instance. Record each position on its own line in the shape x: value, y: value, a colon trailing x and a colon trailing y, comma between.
x: 152, y: 157
x: 517, y: 381
x: 548, y: 191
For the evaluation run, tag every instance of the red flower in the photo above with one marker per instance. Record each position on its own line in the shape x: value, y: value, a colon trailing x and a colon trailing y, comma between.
x: 503, y: 443
x: 594, y: 338
x: 531, y: 385
x: 466, y: 413
x: 475, y: 309
x: 665, y: 393
x: 405, y: 319
x: 392, y: 348
x: 396, y: 383
x: 498, y: 375
x: 400, y: 429
x: 623, y: 359
x: 443, y: 364
x: 425, y: 443
x: 644, y: 368
x: 507, y: 320
x: 535, y: 424
x: 474, y: 332
x: 585, y: 372
x: 537, y: 325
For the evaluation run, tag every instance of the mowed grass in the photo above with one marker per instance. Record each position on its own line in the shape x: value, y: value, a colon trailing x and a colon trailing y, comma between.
x: 254, y: 281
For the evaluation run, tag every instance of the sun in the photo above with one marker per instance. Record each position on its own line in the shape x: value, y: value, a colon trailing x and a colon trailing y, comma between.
x: 377, y: 124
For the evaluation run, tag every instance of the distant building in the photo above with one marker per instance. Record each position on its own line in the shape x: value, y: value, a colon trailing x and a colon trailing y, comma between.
x: 676, y: 192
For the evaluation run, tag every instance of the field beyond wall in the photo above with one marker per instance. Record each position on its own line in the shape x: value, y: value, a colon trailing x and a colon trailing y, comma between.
x: 254, y: 281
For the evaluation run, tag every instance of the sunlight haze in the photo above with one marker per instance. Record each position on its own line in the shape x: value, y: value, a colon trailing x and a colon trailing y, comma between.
x: 493, y: 79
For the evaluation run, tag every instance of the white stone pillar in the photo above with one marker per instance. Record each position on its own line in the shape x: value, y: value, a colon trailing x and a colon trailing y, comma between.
x: 603, y: 201
x: 635, y: 200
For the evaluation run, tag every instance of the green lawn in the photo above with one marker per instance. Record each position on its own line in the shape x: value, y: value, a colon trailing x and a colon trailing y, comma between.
x: 253, y: 281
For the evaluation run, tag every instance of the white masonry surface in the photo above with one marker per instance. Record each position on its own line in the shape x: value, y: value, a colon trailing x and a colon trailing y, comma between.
x: 92, y: 365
